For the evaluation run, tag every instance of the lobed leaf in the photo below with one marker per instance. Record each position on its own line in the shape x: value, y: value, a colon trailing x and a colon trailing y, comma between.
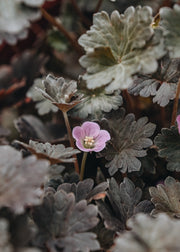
x: 129, y: 140
x: 162, y: 84
x: 43, y: 105
x: 149, y: 234
x: 123, y: 202
x: 15, y: 20
x: 66, y: 223
x: 60, y: 93
x: 166, y: 197
x: 54, y: 153
x: 96, y: 101
x: 168, y: 143
x: 20, y: 179
x: 119, y: 46
x: 170, y: 23
x: 84, y: 190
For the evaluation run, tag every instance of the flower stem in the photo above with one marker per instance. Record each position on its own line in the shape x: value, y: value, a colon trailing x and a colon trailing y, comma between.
x: 83, y: 165
x: 175, y: 106
x: 98, y: 6
x: 129, y: 101
x: 71, y: 139
x: 60, y: 27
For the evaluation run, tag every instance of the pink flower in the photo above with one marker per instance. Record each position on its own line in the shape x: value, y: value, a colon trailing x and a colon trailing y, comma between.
x: 178, y: 122
x: 89, y: 137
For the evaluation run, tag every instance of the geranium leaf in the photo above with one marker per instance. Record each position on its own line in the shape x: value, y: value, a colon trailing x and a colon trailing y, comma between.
x: 162, y: 84
x: 84, y: 190
x: 31, y: 127
x: 123, y: 201
x: 20, y: 179
x: 119, y: 46
x: 170, y: 23
x: 15, y: 19
x: 129, y: 140
x: 168, y: 143
x: 61, y: 93
x: 68, y: 222
x: 149, y: 234
x: 43, y: 105
x: 54, y: 153
x: 166, y: 197
x: 96, y: 101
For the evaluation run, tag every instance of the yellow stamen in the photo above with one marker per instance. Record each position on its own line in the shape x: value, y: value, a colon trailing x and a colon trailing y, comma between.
x: 88, y: 142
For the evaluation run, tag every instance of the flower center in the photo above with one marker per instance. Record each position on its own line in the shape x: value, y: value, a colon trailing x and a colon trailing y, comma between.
x: 88, y: 142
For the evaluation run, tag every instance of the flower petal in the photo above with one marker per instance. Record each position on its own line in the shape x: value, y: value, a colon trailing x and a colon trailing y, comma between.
x: 78, y: 133
x: 178, y: 122
x: 91, y: 129
x: 103, y: 137
x: 81, y: 147
x: 99, y: 148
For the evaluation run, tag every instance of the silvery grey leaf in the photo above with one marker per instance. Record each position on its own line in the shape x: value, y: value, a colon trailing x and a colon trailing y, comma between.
x: 15, y: 20
x: 149, y: 234
x: 20, y: 179
x: 170, y: 23
x: 43, y: 105
x: 96, y: 101
x: 54, y: 153
x: 162, y: 84
x: 119, y: 46
x: 5, y: 246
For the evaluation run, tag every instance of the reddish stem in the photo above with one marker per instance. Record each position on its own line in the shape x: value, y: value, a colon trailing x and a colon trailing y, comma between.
x: 175, y: 107
x: 98, y: 6
x: 60, y: 27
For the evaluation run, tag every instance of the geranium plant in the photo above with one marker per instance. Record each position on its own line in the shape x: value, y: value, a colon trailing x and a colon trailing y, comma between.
x: 89, y: 125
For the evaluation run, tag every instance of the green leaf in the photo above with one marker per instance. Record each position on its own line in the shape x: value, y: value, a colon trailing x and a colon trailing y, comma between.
x: 129, y: 140
x: 168, y: 143
x: 166, y: 197
x: 170, y: 23
x: 119, y: 46
x: 57, y: 41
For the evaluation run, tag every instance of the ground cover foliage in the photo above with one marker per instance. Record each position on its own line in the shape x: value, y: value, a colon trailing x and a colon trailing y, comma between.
x: 89, y: 125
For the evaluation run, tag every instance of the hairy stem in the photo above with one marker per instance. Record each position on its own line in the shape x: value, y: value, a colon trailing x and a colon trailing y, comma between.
x: 71, y: 140
x: 83, y: 165
x: 175, y: 106
x: 60, y: 27
x: 98, y: 6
